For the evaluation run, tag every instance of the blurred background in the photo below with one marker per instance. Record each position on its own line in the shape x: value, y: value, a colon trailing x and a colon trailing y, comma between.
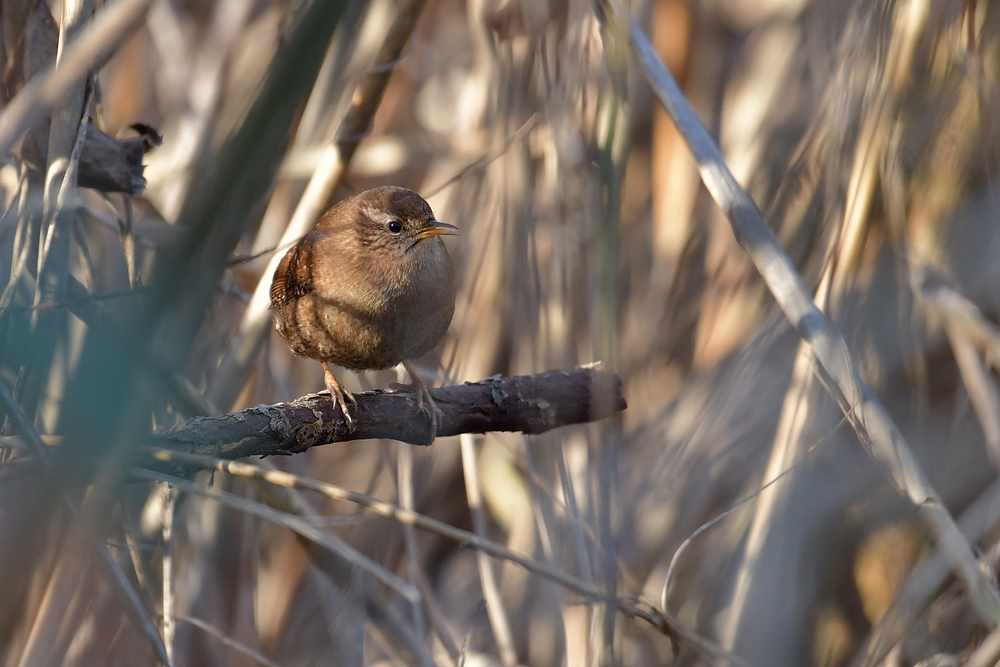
x: 866, y: 132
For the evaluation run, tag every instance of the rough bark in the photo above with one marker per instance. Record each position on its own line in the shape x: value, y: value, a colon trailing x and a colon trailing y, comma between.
x: 526, y: 403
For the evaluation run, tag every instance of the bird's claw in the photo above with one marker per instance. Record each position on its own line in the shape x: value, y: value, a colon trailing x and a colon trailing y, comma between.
x: 342, y: 399
x: 425, y: 402
x: 340, y: 396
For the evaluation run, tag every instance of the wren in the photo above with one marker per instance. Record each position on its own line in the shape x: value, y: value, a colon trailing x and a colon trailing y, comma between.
x: 370, y: 287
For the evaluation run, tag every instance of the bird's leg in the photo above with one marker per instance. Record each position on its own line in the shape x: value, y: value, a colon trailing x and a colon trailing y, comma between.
x: 339, y: 395
x: 424, y: 399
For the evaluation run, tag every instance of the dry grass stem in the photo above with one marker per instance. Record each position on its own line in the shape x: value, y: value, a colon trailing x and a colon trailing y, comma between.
x: 407, y: 517
x: 487, y: 575
x: 600, y: 218
x: 874, y: 425
x: 305, y: 528
x: 106, y: 562
x: 281, y: 478
x: 108, y: 28
x: 169, y: 613
x: 926, y: 577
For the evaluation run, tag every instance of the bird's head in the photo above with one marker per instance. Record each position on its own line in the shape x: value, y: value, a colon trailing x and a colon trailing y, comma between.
x: 396, y: 222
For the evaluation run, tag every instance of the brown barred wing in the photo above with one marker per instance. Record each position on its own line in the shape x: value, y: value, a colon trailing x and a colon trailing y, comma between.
x: 293, y: 278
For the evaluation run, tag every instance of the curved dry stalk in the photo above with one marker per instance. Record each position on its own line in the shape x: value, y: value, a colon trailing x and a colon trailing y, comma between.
x: 841, y: 262
x: 981, y: 388
x: 782, y: 453
x: 787, y: 448
x: 385, y: 625
x: 489, y: 157
x: 381, y: 507
x: 968, y: 330
x: 873, y: 425
x: 297, y: 524
x: 628, y: 605
x: 926, y: 577
x: 960, y: 311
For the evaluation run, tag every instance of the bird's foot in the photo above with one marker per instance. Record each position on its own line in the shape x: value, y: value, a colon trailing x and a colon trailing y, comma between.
x: 425, y: 402
x: 339, y: 396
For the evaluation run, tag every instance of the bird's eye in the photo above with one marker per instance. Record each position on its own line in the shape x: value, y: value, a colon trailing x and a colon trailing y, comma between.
x: 395, y: 227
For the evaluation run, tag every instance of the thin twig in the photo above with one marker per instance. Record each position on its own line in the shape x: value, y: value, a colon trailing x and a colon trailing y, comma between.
x: 301, y: 526
x: 381, y: 507
x: 467, y: 642
x: 489, y: 157
x: 585, y: 590
x: 231, y: 643
x: 228, y: 641
x: 75, y: 301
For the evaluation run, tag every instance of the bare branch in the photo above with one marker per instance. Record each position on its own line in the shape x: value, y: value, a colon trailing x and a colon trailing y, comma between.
x: 527, y: 403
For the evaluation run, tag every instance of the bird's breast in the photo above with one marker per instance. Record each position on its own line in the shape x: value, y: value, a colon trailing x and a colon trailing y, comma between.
x: 374, y: 317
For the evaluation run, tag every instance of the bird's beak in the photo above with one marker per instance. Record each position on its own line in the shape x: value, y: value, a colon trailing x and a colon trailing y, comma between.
x: 435, y: 228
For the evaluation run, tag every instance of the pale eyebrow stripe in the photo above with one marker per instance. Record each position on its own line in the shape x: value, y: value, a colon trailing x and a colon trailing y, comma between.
x: 375, y: 214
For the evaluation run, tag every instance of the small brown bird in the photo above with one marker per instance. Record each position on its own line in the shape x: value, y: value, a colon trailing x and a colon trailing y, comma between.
x: 370, y: 287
